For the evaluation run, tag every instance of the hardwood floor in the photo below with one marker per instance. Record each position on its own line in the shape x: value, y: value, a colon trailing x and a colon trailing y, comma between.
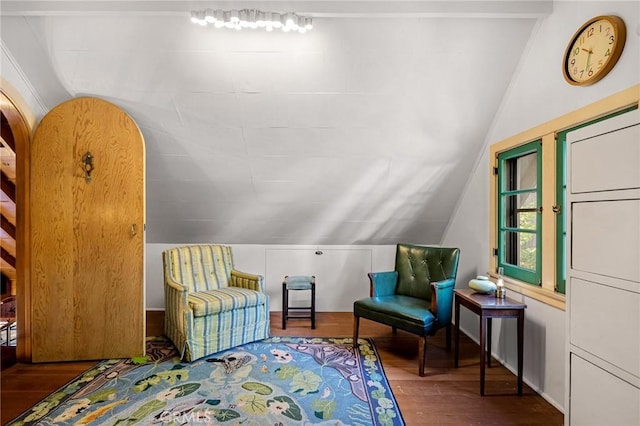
x: 446, y: 396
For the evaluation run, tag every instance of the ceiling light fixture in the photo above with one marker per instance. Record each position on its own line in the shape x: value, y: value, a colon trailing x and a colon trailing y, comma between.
x: 252, y: 18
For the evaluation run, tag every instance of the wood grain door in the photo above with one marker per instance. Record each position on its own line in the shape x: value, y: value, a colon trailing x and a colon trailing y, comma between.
x: 87, y: 234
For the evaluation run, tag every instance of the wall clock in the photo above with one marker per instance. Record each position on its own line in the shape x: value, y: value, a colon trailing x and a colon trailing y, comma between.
x: 594, y: 50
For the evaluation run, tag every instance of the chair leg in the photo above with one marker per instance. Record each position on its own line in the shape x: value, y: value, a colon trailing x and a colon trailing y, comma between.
x: 285, y: 305
x: 356, y: 324
x: 448, y: 330
x: 422, y: 354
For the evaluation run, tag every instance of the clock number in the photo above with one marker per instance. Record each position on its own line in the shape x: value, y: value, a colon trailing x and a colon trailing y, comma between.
x: 590, y: 72
x: 573, y: 62
x: 607, y: 53
x: 590, y: 32
x: 611, y: 39
x: 600, y: 63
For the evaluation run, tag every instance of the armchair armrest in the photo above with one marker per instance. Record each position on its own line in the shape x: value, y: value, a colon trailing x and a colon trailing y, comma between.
x: 176, y: 310
x: 383, y: 283
x: 175, y: 284
x: 177, y: 291
x: 442, y: 300
x: 176, y: 294
x: 245, y: 280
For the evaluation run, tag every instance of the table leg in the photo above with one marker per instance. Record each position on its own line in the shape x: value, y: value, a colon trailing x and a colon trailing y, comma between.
x: 520, y: 349
x: 313, y: 306
x: 285, y: 305
x: 483, y: 327
x: 457, y: 342
x: 489, y: 328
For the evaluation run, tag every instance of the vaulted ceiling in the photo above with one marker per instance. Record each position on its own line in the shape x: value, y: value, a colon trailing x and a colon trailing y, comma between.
x: 362, y: 131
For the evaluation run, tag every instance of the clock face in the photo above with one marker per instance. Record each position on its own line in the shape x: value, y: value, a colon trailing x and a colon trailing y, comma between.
x: 594, y: 50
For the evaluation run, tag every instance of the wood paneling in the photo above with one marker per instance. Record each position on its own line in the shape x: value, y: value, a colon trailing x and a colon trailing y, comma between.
x: 87, y: 236
x: 16, y: 137
x: 8, y: 192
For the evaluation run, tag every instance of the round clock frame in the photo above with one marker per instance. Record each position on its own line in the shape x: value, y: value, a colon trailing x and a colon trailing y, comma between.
x: 594, y: 50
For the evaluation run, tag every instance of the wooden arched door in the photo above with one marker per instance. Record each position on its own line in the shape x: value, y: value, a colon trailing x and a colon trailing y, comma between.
x: 87, y: 234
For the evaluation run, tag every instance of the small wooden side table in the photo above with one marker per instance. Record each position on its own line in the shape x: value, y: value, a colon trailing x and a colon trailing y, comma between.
x: 487, y: 306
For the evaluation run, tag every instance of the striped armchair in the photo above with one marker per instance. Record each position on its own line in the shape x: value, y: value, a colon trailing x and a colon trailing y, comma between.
x: 209, y: 306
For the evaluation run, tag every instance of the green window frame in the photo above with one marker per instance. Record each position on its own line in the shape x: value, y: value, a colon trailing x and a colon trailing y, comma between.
x: 519, y: 218
x: 561, y: 202
x: 561, y: 196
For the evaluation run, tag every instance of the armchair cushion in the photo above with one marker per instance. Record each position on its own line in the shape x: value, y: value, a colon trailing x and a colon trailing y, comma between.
x: 211, y: 302
x: 419, y: 266
x: 201, y: 267
x: 404, y: 312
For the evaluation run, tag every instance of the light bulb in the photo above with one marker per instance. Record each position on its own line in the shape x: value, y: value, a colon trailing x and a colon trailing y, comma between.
x: 289, y: 20
x: 233, y: 16
x: 243, y: 16
x: 200, y: 18
x: 251, y: 15
x: 275, y: 19
x: 209, y: 16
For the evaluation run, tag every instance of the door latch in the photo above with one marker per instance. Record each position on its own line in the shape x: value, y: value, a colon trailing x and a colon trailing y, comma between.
x: 87, y: 165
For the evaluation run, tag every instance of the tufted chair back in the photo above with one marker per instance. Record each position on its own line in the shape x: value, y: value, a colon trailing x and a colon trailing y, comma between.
x: 200, y: 267
x: 418, y: 266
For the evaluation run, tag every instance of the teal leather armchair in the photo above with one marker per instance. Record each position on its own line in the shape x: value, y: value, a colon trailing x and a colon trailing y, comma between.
x: 416, y: 297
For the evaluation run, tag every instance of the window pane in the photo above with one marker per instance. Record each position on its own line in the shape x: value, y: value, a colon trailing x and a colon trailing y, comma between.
x: 520, y: 210
x: 519, y: 195
x: 520, y: 249
x: 522, y: 172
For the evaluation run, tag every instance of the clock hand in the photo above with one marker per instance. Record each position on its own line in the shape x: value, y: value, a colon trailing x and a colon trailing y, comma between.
x: 589, y: 52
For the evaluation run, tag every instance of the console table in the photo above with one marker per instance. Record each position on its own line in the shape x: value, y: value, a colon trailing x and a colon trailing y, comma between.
x: 487, y: 306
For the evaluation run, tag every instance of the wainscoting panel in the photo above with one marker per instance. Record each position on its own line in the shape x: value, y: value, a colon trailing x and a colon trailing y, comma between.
x: 341, y: 276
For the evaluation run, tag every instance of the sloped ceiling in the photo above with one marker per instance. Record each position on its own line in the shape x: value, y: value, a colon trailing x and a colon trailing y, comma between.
x: 362, y: 131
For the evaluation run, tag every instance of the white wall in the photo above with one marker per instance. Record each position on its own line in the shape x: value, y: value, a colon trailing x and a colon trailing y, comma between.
x: 537, y: 94
x: 341, y: 271
x: 15, y: 83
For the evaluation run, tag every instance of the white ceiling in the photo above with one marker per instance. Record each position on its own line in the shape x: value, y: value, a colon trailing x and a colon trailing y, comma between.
x: 362, y: 131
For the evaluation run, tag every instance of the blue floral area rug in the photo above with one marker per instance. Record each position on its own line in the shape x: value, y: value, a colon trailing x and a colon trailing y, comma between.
x: 278, y: 381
